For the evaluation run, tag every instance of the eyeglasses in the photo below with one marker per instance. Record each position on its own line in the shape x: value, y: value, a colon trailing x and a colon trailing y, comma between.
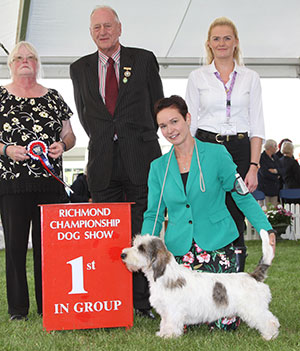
x: 20, y: 58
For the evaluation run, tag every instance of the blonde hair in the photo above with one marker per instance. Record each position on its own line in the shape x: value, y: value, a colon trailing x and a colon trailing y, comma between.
x: 223, y: 21
x: 29, y: 47
x: 288, y: 148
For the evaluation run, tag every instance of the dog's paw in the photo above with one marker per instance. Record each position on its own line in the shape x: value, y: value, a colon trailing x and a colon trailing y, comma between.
x: 169, y: 334
x: 273, y: 330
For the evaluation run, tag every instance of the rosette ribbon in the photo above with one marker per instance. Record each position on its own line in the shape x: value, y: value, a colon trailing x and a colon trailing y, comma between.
x: 38, y: 150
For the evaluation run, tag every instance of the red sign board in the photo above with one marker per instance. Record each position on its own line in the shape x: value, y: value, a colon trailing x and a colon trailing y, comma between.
x: 85, y: 283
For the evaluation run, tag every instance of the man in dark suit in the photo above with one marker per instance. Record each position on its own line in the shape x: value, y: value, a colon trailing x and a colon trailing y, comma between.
x: 115, y: 90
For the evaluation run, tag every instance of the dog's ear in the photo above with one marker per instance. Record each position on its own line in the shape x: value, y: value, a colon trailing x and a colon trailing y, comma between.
x: 159, y: 257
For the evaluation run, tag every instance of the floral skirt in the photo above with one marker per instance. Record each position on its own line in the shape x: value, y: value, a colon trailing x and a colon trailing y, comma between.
x: 218, y: 261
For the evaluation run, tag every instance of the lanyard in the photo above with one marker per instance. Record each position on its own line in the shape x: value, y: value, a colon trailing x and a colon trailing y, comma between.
x: 201, y: 183
x: 228, y: 91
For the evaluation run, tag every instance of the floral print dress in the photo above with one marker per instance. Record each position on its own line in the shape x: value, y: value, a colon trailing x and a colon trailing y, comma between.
x: 23, y: 120
x: 218, y: 261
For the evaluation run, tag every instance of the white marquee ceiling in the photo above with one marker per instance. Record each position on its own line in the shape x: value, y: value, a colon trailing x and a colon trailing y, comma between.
x: 175, y: 30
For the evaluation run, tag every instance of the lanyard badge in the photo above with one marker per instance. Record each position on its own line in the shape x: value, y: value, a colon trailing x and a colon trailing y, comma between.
x: 239, y: 186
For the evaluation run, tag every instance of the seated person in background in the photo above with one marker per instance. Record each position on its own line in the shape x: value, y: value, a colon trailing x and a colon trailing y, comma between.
x: 80, y: 188
x: 268, y: 173
x: 191, y: 182
x: 290, y: 168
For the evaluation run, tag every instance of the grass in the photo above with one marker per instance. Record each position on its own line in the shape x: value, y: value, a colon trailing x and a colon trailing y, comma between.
x: 283, y: 280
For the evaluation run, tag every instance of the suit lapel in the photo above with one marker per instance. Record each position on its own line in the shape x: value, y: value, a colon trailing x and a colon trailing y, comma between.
x: 93, y: 77
x: 126, y: 60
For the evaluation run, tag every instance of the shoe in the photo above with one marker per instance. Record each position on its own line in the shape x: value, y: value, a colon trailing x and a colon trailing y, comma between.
x: 144, y: 313
x: 18, y: 317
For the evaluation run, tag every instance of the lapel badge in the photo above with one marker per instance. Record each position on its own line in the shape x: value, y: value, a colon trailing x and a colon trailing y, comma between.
x: 127, y: 74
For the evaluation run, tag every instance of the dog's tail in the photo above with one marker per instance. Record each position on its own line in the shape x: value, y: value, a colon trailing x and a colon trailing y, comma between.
x: 260, y: 272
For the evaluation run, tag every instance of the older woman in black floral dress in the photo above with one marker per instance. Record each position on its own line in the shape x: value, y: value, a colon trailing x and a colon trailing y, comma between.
x: 28, y: 112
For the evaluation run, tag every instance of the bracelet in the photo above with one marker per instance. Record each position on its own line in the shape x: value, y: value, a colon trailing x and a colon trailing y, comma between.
x: 64, y: 145
x: 4, y: 150
x: 254, y: 164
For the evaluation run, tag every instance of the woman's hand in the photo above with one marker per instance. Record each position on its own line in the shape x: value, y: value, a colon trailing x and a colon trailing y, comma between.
x: 56, y: 149
x: 17, y: 153
x: 251, y: 179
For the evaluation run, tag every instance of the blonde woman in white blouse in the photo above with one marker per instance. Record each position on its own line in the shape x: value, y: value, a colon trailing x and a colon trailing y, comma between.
x: 224, y: 99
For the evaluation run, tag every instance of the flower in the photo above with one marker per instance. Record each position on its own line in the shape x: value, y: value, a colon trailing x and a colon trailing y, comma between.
x: 189, y: 257
x: 198, y: 249
x: 7, y: 127
x: 205, y: 257
x: 36, y: 128
x: 43, y: 114
x: 278, y: 215
x: 224, y: 261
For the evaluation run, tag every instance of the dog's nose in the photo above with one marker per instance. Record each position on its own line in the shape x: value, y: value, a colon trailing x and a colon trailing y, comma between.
x: 123, y: 255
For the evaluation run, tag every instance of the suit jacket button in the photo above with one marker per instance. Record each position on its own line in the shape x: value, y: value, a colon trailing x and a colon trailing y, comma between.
x: 190, y: 222
x: 187, y: 206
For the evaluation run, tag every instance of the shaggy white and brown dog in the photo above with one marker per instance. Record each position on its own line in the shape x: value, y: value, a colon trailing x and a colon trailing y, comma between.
x: 182, y: 296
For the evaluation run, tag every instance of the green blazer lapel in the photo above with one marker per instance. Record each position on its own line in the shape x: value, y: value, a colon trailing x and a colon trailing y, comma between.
x: 175, y: 174
x: 126, y: 60
x: 194, y: 174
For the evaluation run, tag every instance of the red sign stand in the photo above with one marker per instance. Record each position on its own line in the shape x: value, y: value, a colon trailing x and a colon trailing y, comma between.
x: 85, y: 283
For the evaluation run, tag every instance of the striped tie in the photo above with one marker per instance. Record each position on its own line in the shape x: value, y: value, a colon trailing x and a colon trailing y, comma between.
x: 111, y: 87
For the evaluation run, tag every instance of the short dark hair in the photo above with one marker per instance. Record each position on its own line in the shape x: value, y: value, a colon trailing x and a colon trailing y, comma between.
x: 174, y: 101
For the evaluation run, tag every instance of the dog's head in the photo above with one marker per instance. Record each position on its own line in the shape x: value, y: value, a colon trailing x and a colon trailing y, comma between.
x: 147, y: 252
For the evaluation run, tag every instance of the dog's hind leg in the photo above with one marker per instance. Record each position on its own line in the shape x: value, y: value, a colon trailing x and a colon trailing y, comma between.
x: 269, y: 329
x: 264, y: 321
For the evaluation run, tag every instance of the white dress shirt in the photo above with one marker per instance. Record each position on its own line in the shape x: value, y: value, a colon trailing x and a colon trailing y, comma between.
x: 206, y: 100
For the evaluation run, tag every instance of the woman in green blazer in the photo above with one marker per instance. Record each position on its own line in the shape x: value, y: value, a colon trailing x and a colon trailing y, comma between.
x: 191, y: 182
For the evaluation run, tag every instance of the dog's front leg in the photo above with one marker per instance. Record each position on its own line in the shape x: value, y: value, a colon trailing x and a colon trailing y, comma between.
x: 170, y: 328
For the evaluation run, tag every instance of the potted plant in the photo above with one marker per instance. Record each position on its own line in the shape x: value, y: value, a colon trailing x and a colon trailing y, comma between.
x: 279, y: 218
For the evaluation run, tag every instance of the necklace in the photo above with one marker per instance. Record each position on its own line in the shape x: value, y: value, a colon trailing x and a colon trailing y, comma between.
x: 184, y: 163
x: 185, y: 166
x: 184, y: 160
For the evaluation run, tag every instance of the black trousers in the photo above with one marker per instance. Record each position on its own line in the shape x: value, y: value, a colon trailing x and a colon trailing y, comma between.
x: 240, y: 152
x: 18, y: 212
x: 121, y: 189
